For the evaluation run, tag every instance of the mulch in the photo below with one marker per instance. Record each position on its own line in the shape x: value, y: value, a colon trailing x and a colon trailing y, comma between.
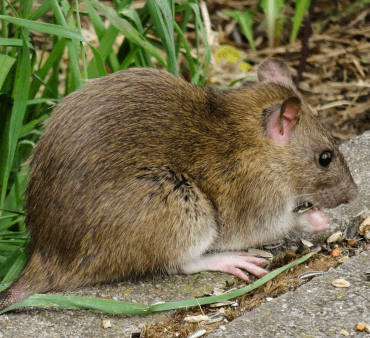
x: 336, y: 77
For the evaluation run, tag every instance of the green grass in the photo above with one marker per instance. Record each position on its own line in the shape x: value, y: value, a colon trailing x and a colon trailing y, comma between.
x: 30, y: 81
x: 126, y: 308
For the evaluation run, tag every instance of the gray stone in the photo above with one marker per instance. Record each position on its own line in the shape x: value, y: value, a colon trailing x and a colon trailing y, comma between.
x: 316, y: 309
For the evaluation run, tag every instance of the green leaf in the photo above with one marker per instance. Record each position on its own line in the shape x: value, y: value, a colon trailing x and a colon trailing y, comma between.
x: 302, y: 7
x: 9, y: 144
x: 127, y: 29
x: 162, y: 14
x: 58, y: 31
x: 244, y: 19
x: 6, y: 63
x: 126, y: 308
x: 272, y: 9
x: 11, y: 268
x: 14, y: 42
x: 55, y: 56
x: 43, y: 27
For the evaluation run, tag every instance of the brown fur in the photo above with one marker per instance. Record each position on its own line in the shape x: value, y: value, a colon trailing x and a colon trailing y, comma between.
x: 136, y: 169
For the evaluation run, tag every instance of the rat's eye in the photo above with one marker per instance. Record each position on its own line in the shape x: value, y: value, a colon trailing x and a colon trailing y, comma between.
x: 325, y: 158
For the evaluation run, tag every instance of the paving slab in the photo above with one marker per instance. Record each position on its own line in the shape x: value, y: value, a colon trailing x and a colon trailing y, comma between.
x: 314, y: 310
x: 317, y: 309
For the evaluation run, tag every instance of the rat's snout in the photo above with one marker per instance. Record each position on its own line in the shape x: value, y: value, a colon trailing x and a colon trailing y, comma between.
x: 349, y: 190
x: 352, y: 192
x: 340, y: 193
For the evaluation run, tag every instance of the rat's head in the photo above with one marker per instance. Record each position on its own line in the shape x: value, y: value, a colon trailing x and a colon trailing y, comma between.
x: 316, y: 171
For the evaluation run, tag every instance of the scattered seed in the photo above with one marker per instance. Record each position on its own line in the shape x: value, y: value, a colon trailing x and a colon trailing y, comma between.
x: 307, y: 243
x: 198, y: 333
x: 218, y: 292
x: 344, y: 333
x: 335, y: 252
x: 364, y: 226
x: 316, y: 249
x: 341, y: 260
x: 260, y: 253
x: 359, y: 327
x: 351, y: 242
x: 196, y: 319
x: 309, y: 274
x: 225, y: 303
x: 106, y: 323
x: 215, y: 319
x: 335, y: 237
x: 135, y: 335
x: 340, y: 283
x: 351, y: 232
x: 273, y: 245
x: 232, y: 289
x: 366, y: 221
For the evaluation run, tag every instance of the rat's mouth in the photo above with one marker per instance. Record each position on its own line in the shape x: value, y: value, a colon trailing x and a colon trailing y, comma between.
x: 303, y: 207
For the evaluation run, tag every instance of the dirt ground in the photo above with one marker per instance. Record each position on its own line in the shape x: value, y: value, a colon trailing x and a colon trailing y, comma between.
x: 336, y: 77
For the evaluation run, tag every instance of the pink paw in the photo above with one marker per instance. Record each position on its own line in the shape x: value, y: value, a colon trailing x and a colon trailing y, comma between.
x: 230, y: 262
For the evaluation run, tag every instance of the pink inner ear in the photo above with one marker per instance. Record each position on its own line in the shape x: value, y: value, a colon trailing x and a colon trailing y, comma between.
x: 281, y: 131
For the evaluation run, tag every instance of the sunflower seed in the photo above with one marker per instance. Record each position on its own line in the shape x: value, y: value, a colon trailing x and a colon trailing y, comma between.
x: 260, y: 253
x: 225, y: 303
x: 197, y: 334
x: 309, y: 274
x: 307, y: 243
x: 335, y: 237
x: 273, y: 245
x: 351, y: 232
x: 196, y: 319
x: 340, y: 283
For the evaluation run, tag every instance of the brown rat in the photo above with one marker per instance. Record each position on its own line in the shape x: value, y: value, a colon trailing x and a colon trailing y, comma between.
x: 140, y: 172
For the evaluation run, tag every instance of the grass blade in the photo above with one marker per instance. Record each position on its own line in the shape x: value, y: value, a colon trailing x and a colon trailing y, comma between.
x: 58, y: 31
x: 21, y: 92
x: 11, y: 268
x: 6, y: 63
x: 118, y: 307
x: 301, y: 9
x: 127, y: 29
x: 13, y: 42
x: 245, y: 21
x: 162, y: 14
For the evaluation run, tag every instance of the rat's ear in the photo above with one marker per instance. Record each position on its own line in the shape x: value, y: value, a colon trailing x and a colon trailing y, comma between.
x: 281, y: 121
x: 274, y: 70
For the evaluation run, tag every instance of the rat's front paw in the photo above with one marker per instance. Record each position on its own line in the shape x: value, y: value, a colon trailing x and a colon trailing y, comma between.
x: 230, y: 262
